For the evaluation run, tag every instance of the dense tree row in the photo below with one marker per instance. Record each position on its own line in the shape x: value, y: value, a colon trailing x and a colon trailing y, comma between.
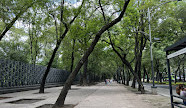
x: 69, y: 35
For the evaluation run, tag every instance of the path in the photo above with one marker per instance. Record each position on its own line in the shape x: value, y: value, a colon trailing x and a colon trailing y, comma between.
x: 118, y: 96
x: 97, y: 96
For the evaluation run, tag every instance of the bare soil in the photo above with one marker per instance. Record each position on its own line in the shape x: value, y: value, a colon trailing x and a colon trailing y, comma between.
x: 50, y: 106
x: 1, y: 98
x: 25, y: 101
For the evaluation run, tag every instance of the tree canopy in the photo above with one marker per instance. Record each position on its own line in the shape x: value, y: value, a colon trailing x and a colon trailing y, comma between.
x: 60, y: 33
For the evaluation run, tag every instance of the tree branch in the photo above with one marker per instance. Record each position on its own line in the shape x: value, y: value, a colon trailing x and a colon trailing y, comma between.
x: 64, y: 91
x: 53, y: 16
x: 102, y: 11
x: 113, y: 45
x: 96, y: 9
x: 146, y: 35
x: 132, y: 60
x: 15, y: 19
x: 79, y: 10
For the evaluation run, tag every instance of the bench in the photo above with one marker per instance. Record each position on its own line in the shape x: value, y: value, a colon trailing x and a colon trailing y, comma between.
x: 179, y: 104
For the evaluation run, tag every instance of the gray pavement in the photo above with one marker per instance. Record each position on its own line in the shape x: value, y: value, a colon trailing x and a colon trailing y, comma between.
x: 162, y: 89
x: 75, y: 95
x: 97, y: 96
x: 118, y: 96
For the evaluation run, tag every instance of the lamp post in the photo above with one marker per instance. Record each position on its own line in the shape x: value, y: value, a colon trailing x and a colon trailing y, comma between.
x: 150, y: 44
x: 153, y: 87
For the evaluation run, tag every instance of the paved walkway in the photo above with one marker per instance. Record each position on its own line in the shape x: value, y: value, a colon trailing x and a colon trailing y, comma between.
x: 98, y: 96
x: 119, y: 96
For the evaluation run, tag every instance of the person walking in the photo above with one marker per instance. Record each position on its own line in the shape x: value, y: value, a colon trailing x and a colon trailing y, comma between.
x: 180, y: 90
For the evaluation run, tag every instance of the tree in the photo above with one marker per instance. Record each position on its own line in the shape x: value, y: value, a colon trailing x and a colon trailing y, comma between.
x: 133, y: 23
x: 166, y: 24
x: 15, y: 47
x: 61, y: 37
x: 8, y: 5
x: 126, y: 62
x: 64, y: 91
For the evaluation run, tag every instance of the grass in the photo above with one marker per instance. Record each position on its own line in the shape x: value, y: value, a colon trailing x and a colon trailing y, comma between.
x: 167, y: 83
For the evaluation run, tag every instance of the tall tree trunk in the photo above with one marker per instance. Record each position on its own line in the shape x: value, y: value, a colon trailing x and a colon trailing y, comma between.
x: 31, y: 43
x: 176, y: 73
x: 139, y: 73
x: 135, y: 75
x: 180, y: 74
x: 117, y: 75
x: 136, y: 49
x: 85, y: 73
x: 133, y: 83
x: 136, y: 58
x: 157, y: 70
x: 142, y: 46
x: 60, y: 101
x: 127, y: 63
x: 144, y: 71
x: 160, y: 76
x: 123, y: 75
x: 41, y: 90
x: 81, y: 78
x: 62, y: 36
x: 36, y: 49
x: 175, y: 80
x: 183, y: 72
x: 128, y: 77
x: 72, y: 56
x: 139, y: 69
x: 147, y: 76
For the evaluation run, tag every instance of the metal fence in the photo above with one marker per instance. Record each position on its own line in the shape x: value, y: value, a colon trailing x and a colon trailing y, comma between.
x: 18, y: 74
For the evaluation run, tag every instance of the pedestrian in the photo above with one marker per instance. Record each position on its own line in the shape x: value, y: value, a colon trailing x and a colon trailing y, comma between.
x: 180, y: 90
x: 105, y: 81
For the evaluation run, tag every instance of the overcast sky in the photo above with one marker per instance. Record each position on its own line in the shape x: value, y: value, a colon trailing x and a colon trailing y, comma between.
x: 72, y: 1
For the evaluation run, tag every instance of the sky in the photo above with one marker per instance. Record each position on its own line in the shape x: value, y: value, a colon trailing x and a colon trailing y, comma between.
x: 72, y: 1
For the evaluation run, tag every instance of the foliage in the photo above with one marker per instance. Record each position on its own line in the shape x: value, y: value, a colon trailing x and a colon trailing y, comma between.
x: 34, y: 35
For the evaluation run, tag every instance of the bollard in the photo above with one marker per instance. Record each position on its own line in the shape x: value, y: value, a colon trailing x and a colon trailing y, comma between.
x: 154, y: 90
